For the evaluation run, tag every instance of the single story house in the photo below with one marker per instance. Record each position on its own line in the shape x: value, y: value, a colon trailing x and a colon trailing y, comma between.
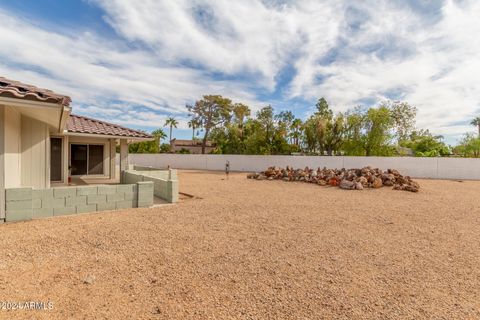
x: 42, y: 143
x: 193, y: 146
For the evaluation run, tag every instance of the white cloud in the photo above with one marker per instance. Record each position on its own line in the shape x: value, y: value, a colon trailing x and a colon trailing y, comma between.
x: 223, y: 36
x: 435, y: 65
x: 93, y: 70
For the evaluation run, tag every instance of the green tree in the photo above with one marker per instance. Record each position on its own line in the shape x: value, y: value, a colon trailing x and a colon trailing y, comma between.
x: 424, y: 144
x: 210, y: 112
x: 320, y: 127
x: 323, y: 110
x: 309, y: 138
x: 241, y: 113
x: 143, y: 147
x: 255, y: 138
x: 265, y: 118
x: 148, y: 146
x: 230, y: 137
x: 164, y: 148
x: 284, y: 121
x: 468, y: 147
x: 296, y: 131
x: 334, y: 133
x: 476, y: 122
x: 324, y: 130
x: 227, y: 139
x: 377, y: 137
x: 403, y: 116
x: 353, y: 142
x: 183, y: 151
x: 369, y: 132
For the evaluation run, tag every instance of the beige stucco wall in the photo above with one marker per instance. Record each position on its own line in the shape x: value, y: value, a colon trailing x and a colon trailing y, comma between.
x: 35, y: 146
x: 112, y: 157
x: 12, y: 147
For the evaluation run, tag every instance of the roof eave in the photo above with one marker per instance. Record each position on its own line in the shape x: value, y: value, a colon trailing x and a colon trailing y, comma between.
x: 34, y: 105
x: 106, y: 136
x: 28, y: 103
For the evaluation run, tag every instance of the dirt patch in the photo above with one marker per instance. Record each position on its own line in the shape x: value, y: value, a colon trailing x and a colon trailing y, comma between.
x: 255, y: 250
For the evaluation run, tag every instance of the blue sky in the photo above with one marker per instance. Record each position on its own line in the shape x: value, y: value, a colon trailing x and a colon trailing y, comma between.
x: 138, y: 62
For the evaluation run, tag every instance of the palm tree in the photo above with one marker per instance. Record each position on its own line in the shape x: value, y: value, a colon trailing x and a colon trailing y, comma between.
x: 159, y: 134
x: 194, y: 125
x: 296, y: 127
x: 476, y: 122
x: 172, y: 123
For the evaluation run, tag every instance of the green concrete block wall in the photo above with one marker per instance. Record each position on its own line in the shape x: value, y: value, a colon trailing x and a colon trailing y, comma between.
x: 64, y: 192
x: 125, y: 204
x: 85, y: 191
x: 115, y: 197
x: 42, y: 213
x: 64, y: 211
x: 172, y: 190
x: 75, y: 201
x: 142, y: 168
x: 42, y: 194
x: 106, y: 206
x: 27, y: 203
x: 124, y: 188
x: 132, y: 177
x: 54, y: 203
x: 165, y: 174
x: 96, y: 198
x: 145, y: 194
x: 107, y: 189
x: 18, y: 204
x: 165, y: 182
x: 87, y: 208
x: 36, y: 203
x: 17, y: 194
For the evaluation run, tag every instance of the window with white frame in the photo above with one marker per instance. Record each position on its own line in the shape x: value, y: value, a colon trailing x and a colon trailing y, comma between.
x: 86, y: 159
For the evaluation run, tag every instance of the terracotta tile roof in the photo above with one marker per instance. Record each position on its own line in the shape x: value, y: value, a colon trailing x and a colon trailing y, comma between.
x: 19, y: 90
x: 80, y: 124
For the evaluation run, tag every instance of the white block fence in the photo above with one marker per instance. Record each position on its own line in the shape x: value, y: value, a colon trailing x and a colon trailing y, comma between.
x: 433, y: 168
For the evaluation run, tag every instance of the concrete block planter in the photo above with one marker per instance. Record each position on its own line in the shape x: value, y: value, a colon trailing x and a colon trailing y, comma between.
x: 27, y: 203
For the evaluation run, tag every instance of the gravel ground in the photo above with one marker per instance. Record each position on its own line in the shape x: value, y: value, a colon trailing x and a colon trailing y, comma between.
x: 246, y: 249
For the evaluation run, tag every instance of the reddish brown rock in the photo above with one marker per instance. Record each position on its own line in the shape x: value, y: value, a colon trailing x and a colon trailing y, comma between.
x: 377, y: 183
x: 344, y: 178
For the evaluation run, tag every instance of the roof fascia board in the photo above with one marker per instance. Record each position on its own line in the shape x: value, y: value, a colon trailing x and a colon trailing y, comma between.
x: 28, y: 103
x: 94, y: 135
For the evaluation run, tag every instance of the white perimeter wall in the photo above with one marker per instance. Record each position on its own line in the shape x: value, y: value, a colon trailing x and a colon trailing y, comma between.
x: 434, y: 168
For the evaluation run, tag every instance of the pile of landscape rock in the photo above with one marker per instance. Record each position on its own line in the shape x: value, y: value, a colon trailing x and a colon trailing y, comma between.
x: 350, y: 179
